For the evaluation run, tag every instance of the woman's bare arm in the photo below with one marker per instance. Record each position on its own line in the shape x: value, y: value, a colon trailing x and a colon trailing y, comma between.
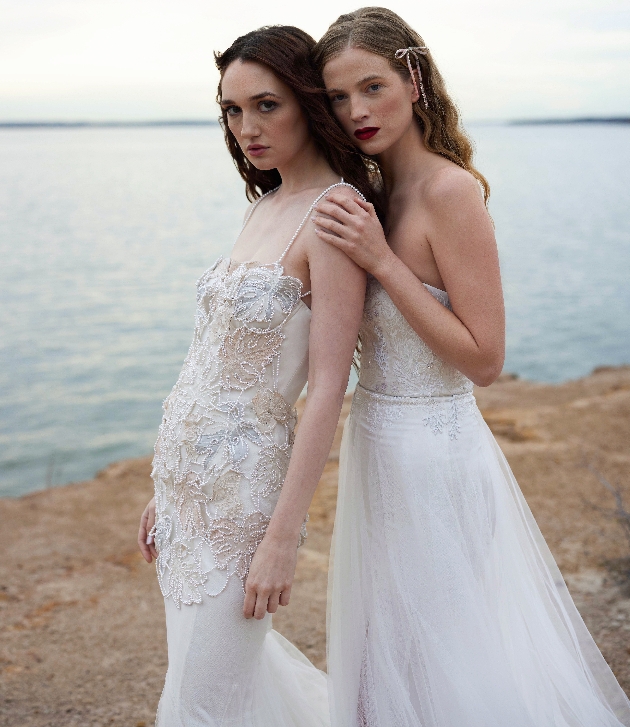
x: 472, y: 336
x: 338, y: 287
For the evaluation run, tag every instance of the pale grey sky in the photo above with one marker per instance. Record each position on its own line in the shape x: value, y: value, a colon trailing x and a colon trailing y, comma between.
x: 152, y: 59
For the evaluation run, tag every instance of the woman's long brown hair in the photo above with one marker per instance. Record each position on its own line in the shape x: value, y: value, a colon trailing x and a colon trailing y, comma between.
x: 381, y: 31
x: 286, y: 51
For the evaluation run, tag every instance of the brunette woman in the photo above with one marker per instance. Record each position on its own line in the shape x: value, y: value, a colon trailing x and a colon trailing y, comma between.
x: 447, y: 608
x: 232, y: 482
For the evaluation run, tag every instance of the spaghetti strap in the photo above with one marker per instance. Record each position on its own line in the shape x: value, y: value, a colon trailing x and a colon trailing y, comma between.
x: 342, y: 183
x: 307, y: 215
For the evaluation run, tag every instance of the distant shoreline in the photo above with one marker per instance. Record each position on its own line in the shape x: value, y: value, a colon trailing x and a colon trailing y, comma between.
x: 101, y: 124
x: 585, y: 120
x: 212, y: 122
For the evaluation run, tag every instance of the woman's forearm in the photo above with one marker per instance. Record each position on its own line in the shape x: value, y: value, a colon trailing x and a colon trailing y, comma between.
x: 442, y: 331
x: 310, y: 451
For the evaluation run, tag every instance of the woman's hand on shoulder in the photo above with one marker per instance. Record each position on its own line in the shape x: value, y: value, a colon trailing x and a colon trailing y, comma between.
x: 344, y: 220
x: 145, y: 541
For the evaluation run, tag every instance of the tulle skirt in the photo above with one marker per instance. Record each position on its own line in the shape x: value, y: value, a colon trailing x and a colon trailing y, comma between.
x: 228, y: 671
x: 446, y: 608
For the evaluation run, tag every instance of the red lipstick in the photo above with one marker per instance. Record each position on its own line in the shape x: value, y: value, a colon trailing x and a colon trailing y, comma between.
x: 256, y: 150
x: 366, y: 132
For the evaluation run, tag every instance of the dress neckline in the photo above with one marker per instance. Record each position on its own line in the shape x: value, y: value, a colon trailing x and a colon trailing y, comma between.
x: 234, y: 265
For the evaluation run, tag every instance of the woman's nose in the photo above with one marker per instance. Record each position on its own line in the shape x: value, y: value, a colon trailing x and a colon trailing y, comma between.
x: 249, y: 128
x: 358, y: 109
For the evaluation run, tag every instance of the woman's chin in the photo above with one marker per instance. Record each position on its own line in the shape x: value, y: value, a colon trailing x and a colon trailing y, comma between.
x: 264, y: 165
x: 372, y: 147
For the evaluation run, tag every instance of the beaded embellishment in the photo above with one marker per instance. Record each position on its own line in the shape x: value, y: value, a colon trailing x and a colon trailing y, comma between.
x: 224, y: 444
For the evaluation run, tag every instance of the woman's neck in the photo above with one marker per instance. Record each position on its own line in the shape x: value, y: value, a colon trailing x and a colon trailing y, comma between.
x: 405, y: 159
x: 306, y: 170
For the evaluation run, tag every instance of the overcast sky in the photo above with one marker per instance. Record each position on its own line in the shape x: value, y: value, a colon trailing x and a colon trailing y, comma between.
x: 152, y: 59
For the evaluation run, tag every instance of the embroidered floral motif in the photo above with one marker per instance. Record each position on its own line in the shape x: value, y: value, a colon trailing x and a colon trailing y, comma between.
x: 224, y: 442
x: 271, y: 408
x: 395, y: 360
x: 245, y: 354
x: 234, y: 542
x: 225, y: 494
x: 228, y: 446
x: 446, y: 414
x: 398, y: 370
x: 190, y: 501
x: 180, y: 575
x: 380, y: 414
x: 270, y: 471
x: 261, y: 289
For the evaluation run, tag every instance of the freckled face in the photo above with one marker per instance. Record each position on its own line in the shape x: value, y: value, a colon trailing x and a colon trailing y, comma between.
x: 263, y: 114
x: 371, y: 100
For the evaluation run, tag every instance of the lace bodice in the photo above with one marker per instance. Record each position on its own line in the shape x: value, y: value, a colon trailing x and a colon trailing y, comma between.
x: 224, y: 444
x: 394, y: 359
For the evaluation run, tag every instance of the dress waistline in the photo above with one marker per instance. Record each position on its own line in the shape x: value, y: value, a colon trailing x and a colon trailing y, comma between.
x: 418, y: 400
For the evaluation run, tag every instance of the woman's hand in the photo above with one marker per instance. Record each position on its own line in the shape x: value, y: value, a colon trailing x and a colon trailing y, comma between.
x: 352, y: 226
x: 270, y: 577
x: 145, y: 541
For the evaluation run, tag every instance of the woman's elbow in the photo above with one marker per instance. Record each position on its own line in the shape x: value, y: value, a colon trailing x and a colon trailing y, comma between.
x: 489, y: 371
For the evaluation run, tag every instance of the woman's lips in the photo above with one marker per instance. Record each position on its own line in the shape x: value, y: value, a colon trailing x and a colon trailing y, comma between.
x: 366, y: 133
x: 256, y: 150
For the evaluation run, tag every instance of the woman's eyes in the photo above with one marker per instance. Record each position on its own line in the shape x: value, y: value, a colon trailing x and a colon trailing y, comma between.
x: 264, y: 106
x: 337, y: 98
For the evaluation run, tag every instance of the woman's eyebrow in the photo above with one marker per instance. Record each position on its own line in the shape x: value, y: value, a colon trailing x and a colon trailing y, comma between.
x: 358, y: 83
x: 257, y: 97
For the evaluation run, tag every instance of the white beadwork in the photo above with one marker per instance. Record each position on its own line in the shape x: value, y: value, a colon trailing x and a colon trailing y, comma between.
x: 394, y: 360
x: 225, y: 441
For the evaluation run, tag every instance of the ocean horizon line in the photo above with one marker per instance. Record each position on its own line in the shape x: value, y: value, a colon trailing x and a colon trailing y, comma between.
x: 79, y: 124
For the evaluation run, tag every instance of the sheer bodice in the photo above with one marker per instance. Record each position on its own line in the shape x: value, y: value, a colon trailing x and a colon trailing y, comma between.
x: 394, y: 359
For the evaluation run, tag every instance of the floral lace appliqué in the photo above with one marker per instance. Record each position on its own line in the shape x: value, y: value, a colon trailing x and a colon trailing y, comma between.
x: 224, y: 444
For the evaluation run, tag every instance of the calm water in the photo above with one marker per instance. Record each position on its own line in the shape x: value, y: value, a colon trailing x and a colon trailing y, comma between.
x: 103, y: 233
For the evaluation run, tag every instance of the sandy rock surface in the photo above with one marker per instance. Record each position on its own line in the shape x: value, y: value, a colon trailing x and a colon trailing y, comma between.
x: 82, y: 638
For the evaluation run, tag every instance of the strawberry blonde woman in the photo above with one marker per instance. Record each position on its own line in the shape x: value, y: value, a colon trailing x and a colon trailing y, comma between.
x: 447, y: 608
x: 232, y: 481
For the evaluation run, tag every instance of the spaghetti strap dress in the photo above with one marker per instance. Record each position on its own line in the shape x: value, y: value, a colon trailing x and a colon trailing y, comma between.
x: 220, y: 461
x: 446, y: 606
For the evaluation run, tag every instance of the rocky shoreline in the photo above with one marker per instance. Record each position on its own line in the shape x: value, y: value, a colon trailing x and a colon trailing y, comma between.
x: 81, y: 616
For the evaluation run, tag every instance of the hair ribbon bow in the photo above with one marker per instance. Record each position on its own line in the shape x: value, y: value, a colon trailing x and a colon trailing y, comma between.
x: 415, y: 51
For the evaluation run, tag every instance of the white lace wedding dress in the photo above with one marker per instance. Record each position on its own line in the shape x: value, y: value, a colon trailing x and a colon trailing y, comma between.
x: 220, y: 461
x: 446, y: 607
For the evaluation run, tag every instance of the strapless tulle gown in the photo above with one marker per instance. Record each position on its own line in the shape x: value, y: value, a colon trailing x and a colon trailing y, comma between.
x: 446, y: 607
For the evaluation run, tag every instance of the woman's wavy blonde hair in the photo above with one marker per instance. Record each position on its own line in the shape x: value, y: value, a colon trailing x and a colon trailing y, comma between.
x: 381, y: 31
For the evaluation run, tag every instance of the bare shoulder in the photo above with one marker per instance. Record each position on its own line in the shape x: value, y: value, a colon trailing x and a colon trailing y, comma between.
x: 450, y: 186
x: 345, y: 190
x: 248, y: 209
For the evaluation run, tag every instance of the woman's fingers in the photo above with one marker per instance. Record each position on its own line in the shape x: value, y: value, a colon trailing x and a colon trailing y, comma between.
x: 274, y: 601
x: 369, y: 208
x: 142, y: 537
x: 335, y: 211
x: 335, y: 240
x: 332, y: 226
x: 262, y: 601
x: 349, y: 205
x: 285, y: 596
x: 150, y: 525
x: 250, y: 601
